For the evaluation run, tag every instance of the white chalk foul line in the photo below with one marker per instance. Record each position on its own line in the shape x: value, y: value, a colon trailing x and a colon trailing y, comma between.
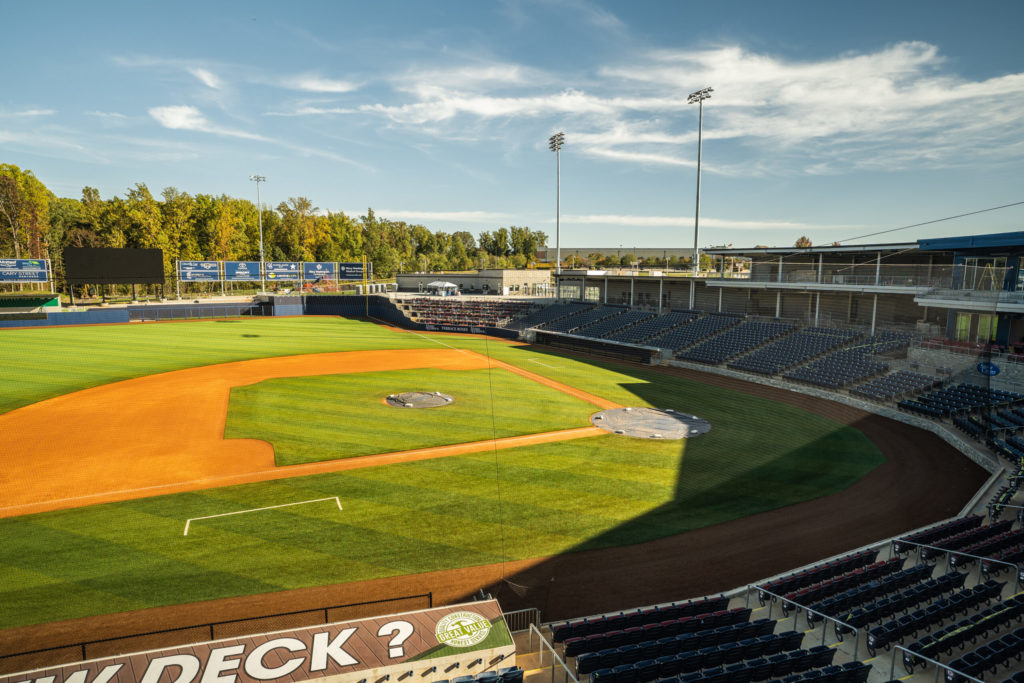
x: 189, y: 521
x: 534, y: 360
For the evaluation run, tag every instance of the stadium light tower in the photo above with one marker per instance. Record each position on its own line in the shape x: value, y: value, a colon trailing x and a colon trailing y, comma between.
x: 555, y: 143
x: 698, y: 97
x: 259, y: 214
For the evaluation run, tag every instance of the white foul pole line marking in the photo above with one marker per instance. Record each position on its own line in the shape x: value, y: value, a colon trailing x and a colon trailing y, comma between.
x: 189, y: 521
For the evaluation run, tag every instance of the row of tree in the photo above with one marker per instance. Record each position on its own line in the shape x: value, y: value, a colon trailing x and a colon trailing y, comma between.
x: 37, y: 224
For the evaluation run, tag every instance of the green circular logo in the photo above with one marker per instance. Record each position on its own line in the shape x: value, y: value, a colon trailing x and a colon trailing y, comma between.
x: 462, y: 629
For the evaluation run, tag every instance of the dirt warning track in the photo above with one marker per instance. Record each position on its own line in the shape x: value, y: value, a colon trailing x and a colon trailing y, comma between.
x: 168, y: 435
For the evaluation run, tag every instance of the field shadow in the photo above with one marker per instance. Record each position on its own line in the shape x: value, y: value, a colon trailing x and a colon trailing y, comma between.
x: 666, y: 554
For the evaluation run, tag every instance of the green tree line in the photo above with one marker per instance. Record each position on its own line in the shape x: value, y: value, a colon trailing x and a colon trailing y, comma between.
x: 35, y: 223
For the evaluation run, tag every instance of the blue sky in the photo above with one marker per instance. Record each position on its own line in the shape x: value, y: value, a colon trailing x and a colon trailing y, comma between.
x: 829, y: 119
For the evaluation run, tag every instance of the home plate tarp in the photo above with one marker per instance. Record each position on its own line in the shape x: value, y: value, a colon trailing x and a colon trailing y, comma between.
x: 469, y: 637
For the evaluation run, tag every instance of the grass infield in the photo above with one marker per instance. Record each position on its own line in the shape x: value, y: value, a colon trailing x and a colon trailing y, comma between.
x: 399, y: 519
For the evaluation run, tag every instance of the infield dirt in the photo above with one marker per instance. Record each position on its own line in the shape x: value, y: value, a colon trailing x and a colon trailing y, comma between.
x: 168, y: 435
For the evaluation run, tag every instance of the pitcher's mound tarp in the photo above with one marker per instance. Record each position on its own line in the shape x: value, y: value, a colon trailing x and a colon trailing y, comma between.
x: 650, y: 423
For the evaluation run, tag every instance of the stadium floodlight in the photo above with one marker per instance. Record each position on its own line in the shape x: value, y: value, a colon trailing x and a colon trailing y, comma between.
x: 698, y: 97
x: 259, y: 214
x: 555, y: 143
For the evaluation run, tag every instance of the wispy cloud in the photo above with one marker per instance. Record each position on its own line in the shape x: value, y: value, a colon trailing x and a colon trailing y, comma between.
x: 444, y: 216
x: 206, y: 77
x: 28, y: 113
x: 632, y: 220
x: 111, y: 115
x: 187, y: 117
x: 903, y: 100
x: 318, y: 84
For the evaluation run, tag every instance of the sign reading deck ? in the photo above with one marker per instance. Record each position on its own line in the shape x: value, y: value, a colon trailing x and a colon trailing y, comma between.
x: 354, y: 647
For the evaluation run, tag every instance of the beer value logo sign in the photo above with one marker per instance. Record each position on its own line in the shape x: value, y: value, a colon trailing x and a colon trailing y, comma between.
x: 295, y: 655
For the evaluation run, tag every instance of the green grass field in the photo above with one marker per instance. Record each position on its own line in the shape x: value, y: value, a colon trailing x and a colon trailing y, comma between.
x: 414, y: 517
x: 309, y: 419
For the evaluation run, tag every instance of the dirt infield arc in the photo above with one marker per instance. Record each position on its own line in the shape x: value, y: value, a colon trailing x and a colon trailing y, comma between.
x: 168, y: 436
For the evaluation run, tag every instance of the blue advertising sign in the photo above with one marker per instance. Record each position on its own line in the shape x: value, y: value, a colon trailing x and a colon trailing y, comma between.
x: 199, y: 271
x: 350, y: 271
x: 23, y: 270
x: 990, y: 369
x: 282, y: 270
x: 241, y: 271
x: 319, y: 271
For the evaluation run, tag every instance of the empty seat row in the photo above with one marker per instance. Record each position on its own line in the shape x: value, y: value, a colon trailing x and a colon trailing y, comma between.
x: 908, y: 625
x: 693, y: 331
x: 582, y: 318
x: 653, y: 631
x: 511, y: 674
x: 895, y: 386
x: 754, y: 639
x: 970, y: 628
x: 906, y: 600
x: 781, y: 668
x: 653, y: 327
x: 794, y: 349
x: 576, y: 628
x: 744, y: 337
x: 816, y: 574
x: 933, y: 533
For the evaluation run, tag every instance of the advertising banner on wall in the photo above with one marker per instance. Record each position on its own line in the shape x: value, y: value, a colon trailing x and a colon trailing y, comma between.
x: 199, y: 271
x: 350, y: 271
x: 364, y: 649
x: 23, y: 270
x: 241, y: 271
x: 282, y: 270
x: 319, y: 271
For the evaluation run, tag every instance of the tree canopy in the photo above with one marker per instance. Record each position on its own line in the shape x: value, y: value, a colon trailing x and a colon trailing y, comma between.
x: 34, y: 223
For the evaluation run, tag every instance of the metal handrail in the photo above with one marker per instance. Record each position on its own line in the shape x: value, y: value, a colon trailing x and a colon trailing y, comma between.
x: 826, y: 618
x: 939, y: 665
x: 519, y: 617
x: 1016, y: 568
x: 554, y: 656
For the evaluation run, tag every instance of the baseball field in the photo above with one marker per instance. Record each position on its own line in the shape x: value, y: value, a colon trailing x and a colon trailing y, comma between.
x: 268, y: 441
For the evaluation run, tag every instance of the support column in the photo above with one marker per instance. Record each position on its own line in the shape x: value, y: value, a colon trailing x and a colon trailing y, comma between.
x: 779, y: 278
x: 874, y: 313
x: 821, y: 259
x: 878, y: 268
x: 661, y: 291
x: 720, y: 299
x: 632, y: 283
x: 693, y: 293
x: 778, y: 304
x: 583, y: 288
x: 606, y: 289
x: 817, y: 308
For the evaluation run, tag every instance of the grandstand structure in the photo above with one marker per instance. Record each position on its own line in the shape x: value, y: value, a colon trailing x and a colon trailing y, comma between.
x: 922, y: 328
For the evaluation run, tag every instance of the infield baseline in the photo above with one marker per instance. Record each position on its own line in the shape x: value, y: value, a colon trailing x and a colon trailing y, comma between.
x: 189, y: 521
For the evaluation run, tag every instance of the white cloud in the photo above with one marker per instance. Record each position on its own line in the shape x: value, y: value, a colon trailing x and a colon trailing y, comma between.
x: 29, y: 113
x: 207, y: 78
x: 312, y: 83
x: 112, y: 115
x: 187, y: 117
x: 896, y: 107
x: 449, y: 216
x: 631, y: 220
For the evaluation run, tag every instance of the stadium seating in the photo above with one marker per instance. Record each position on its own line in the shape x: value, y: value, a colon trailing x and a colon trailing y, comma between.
x: 895, y: 386
x: 446, y: 311
x: 582, y: 318
x: 694, y: 331
x: 653, y: 327
x: 794, y: 349
x: 604, y: 328
x: 547, y: 314
x: 744, y: 337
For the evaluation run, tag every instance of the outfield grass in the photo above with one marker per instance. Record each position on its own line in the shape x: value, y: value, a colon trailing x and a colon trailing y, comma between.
x: 309, y: 419
x: 421, y: 516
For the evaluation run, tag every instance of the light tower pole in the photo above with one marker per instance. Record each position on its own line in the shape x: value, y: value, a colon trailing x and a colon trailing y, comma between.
x: 555, y: 143
x: 698, y: 97
x: 259, y: 215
